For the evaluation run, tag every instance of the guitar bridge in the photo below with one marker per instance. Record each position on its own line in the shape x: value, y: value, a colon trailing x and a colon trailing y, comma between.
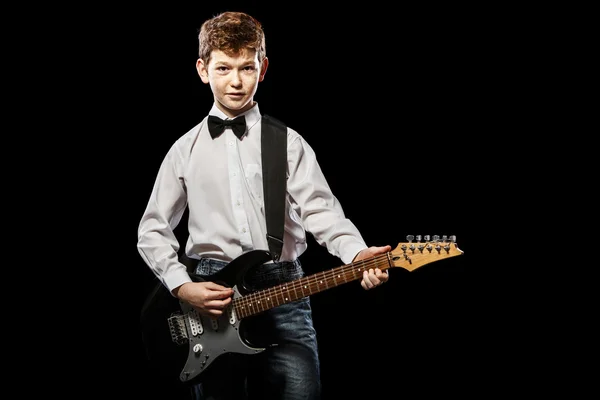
x: 177, y: 329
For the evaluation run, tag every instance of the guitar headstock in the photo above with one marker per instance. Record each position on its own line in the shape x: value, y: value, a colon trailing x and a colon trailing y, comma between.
x: 418, y: 251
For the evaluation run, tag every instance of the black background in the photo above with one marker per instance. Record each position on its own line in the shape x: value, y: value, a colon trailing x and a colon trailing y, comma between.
x: 390, y: 99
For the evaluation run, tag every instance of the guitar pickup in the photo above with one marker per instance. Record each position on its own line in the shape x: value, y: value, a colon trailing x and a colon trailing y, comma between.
x: 232, y: 315
x: 195, y: 322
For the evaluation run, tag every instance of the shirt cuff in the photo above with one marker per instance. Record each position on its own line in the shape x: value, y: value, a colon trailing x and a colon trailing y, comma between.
x: 176, y: 278
x: 351, y: 250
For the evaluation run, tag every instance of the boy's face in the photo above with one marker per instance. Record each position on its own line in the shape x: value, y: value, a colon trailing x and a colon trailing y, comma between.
x: 233, y: 80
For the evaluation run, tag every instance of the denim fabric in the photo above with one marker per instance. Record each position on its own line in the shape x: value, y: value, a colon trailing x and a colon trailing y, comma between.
x: 289, y: 368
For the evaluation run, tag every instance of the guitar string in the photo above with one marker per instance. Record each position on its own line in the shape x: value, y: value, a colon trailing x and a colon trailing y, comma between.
x: 313, y: 283
x: 324, y: 275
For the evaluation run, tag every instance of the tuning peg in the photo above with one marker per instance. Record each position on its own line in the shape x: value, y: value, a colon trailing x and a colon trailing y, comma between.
x: 436, y: 238
x: 444, y: 237
x: 418, y: 238
x: 453, y: 238
x: 426, y: 238
x: 410, y: 238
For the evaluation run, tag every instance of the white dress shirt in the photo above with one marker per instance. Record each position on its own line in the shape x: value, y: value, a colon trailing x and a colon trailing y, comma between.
x: 220, y: 181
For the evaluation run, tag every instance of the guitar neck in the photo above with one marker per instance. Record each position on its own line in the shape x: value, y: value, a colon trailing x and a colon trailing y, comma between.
x: 266, y: 299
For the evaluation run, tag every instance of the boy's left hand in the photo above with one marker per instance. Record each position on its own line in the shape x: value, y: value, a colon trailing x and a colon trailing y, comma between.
x: 373, y: 277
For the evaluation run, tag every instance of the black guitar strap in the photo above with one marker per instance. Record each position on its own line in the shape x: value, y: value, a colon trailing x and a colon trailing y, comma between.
x: 274, y: 164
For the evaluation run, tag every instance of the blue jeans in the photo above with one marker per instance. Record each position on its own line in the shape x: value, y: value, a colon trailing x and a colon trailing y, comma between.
x: 290, y: 369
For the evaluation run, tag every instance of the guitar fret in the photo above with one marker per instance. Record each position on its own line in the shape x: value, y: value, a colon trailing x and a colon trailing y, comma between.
x: 309, y: 284
x: 270, y: 296
x: 282, y: 296
x: 287, y: 294
x: 302, y: 286
x: 241, y: 310
x: 324, y: 280
x: 295, y: 292
x: 249, y: 305
x: 259, y: 303
x: 246, y: 307
x: 236, y: 309
x: 342, y: 274
x: 357, y: 272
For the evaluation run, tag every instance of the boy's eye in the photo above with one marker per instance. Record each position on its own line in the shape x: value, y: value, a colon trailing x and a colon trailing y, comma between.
x: 249, y: 68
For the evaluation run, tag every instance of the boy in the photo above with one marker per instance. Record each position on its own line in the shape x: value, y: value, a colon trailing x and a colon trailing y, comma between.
x: 216, y: 171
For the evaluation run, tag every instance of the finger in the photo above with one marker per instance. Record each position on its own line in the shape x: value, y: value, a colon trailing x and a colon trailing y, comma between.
x: 374, y: 277
x: 365, y: 284
x: 381, y: 275
x: 368, y: 284
x: 210, y: 312
x: 381, y: 249
x: 213, y: 312
x: 215, y: 286
x: 218, y: 304
x: 219, y: 294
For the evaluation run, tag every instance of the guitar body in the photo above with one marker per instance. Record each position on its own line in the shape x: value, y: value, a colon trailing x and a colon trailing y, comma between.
x: 180, y: 343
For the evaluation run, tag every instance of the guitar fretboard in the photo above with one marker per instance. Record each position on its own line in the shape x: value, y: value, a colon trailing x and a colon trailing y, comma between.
x: 259, y: 301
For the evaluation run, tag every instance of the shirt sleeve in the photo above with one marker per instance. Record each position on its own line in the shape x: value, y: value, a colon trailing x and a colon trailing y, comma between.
x: 157, y: 243
x: 321, y: 212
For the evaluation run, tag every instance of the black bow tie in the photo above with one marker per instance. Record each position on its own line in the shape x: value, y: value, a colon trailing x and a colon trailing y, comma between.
x: 216, y: 125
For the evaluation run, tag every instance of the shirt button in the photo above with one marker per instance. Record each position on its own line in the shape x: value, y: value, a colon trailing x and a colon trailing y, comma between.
x: 243, y: 230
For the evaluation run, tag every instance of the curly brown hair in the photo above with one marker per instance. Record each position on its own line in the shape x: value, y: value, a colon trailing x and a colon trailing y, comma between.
x: 230, y: 32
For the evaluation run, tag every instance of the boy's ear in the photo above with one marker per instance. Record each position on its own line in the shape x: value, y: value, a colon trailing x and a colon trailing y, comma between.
x: 202, y: 70
x: 263, y: 69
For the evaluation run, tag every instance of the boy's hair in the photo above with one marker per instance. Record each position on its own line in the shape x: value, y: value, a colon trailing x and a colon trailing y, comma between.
x: 231, y: 32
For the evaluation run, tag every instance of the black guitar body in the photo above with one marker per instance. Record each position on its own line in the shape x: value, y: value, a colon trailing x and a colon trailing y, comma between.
x: 180, y: 343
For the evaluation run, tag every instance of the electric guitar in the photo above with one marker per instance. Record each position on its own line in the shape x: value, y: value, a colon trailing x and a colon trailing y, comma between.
x: 183, y: 343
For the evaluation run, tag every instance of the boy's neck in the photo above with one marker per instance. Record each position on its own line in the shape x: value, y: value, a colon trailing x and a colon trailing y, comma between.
x: 234, y: 113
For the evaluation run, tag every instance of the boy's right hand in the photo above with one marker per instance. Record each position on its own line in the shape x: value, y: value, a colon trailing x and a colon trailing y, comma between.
x: 208, y: 298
